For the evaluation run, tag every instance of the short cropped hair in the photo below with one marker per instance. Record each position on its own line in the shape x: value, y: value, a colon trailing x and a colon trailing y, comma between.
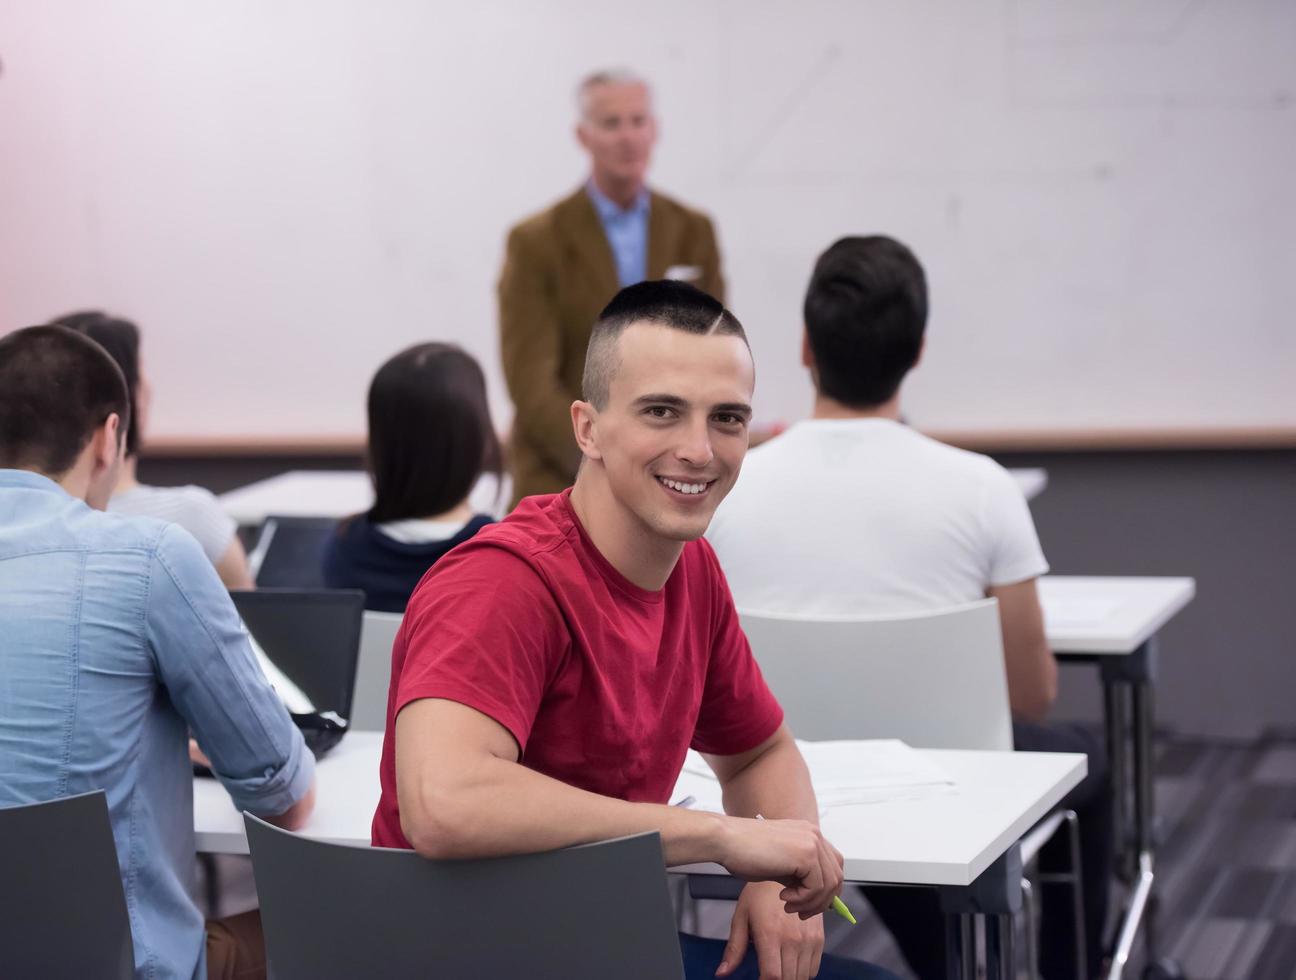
x: 430, y: 432
x: 56, y: 388
x: 604, y: 76
x: 865, y: 314
x: 121, y: 339
x: 662, y: 302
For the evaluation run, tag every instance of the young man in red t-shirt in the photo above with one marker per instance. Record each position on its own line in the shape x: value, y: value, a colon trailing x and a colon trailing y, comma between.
x: 551, y: 673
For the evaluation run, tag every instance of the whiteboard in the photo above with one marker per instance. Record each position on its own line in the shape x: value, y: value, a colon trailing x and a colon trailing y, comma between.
x: 283, y: 193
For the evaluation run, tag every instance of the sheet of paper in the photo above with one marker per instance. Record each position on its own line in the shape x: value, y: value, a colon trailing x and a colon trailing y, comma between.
x: 844, y: 773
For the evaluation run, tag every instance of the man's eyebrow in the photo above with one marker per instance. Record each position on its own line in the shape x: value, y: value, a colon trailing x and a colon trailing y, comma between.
x: 672, y: 401
x: 734, y: 408
x: 675, y: 401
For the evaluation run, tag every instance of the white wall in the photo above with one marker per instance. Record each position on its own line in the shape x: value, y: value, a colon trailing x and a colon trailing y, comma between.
x: 282, y: 193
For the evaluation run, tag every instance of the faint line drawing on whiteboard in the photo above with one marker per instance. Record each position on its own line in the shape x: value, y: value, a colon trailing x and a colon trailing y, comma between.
x: 736, y: 162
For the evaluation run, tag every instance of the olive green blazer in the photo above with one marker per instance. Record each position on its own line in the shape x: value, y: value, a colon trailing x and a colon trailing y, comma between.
x: 558, y: 275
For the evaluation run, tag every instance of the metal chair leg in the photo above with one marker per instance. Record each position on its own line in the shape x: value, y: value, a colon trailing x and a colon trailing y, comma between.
x: 1030, y: 914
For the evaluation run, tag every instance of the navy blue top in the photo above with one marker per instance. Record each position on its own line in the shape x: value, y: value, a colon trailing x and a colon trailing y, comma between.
x: 359, y: 556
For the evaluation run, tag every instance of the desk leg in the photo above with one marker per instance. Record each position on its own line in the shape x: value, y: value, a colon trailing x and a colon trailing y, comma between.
x: 1129, y: 685
x: 1118, y: 741
x: 1001, y: 962
x: 960, y: 946
x: 995, y: 897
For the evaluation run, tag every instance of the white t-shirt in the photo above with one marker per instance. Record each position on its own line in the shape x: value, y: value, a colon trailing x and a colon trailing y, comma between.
x: 194, y: 508
x: 864, y: 516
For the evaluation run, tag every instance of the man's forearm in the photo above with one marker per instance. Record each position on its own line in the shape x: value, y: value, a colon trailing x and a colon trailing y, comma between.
x: 506, y: 808
x: 776, y: 784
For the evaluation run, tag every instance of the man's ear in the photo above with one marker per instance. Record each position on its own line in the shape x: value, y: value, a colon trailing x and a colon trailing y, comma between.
x: 107, y: 442
x: 807, y: 355
x: 922, y: 349
x: 584, y: 426
x: 580, y: 135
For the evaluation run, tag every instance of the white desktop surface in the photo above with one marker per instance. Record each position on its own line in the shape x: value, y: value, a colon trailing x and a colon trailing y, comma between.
x: 937, y: 840
x: 946, y: 839
x: 1031, y: 481
x: 339, y: 493
x: 346, y: 795
x: 1111, y: 615
x: 332, y: 493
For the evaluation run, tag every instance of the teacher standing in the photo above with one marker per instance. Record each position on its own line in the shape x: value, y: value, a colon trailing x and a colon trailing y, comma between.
x: 564, y: 264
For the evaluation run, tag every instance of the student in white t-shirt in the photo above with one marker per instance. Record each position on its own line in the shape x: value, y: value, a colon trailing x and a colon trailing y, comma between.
x: 853, y: 512
x: 193, y: 508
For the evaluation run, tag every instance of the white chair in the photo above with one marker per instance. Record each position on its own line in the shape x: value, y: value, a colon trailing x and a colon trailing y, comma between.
x: 373, y: 671
x: 933, y: 679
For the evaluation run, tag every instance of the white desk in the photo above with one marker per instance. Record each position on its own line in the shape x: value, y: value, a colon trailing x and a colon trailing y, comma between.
x: 339, y: 493
x: 947, y: 839
x: 333, y: 493
x: 943, y: 839
x: 346, y: 795
x: 1109, y: 615
x: 1114, y: 621
x: 1031, y: 481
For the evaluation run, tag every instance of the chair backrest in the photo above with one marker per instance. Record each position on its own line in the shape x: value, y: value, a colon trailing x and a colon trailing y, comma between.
x: 331, y: 910
x: 933, y: 679
x: 62, y: 911
x: 289, y: 553
x: 373, y: 675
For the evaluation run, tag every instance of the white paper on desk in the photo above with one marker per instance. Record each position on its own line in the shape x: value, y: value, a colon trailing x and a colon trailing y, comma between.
x: 1079, y: 611
x: 844, y: 773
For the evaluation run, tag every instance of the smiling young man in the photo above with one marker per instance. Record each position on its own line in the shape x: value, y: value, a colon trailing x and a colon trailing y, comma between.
x: 551, y: 673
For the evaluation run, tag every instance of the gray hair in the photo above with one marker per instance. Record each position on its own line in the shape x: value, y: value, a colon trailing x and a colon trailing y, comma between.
x: 604, y: 76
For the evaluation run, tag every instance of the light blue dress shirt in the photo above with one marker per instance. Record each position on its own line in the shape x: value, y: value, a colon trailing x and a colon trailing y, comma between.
x: 116, y: 638
x: 627, y: 233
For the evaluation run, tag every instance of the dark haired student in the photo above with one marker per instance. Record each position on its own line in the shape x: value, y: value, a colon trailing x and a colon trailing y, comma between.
x: 194, y: 508
x: 118, y: 638
x: 430, y: 438
x: 851, y: 512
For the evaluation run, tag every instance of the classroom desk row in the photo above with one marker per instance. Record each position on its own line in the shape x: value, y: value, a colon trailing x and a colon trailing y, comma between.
x: 964, y: 843
x: 338, y: 493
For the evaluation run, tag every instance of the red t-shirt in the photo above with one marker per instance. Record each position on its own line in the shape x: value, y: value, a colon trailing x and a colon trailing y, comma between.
x: 604, y: 685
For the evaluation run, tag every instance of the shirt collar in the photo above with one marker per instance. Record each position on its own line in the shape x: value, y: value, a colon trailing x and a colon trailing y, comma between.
x: 26, y: 479
x: 608, y: 209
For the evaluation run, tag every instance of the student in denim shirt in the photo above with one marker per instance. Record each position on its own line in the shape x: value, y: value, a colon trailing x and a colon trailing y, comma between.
x: 118, y: 639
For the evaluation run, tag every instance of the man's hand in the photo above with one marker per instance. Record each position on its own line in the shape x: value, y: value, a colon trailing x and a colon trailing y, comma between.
x: 791, y: 852
x: 787, y: 946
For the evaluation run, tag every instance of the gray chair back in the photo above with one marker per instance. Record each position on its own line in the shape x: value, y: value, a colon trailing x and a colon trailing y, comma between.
x: 289, y: 553
x: 373, y: 672
x: 331, y: 910
x: 62, y: 911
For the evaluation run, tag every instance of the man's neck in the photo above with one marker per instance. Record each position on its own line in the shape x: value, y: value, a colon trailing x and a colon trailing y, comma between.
x: 621, y: 193
x: 126, y: 479
x: 827, y: 408
x: 646, y: 559
x: 75, y: 481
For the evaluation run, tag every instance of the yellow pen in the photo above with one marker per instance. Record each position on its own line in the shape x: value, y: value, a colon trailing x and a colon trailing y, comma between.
x: 838, y: 905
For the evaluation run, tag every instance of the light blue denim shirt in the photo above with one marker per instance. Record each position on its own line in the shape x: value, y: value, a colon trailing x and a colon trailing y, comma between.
x: 627, y: 233
x: 116, y: 637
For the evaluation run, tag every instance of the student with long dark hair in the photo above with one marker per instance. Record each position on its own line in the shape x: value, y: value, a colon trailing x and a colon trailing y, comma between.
x: 430, y: 439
